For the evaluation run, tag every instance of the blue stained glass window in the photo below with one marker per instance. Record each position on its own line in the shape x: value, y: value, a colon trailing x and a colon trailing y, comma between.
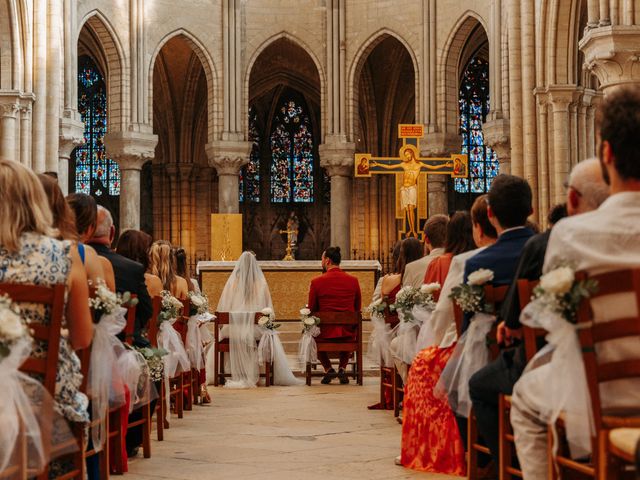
x: 291, y: 144
x: 474, y: 107
x: 250, y: 173
x: 95, y: 174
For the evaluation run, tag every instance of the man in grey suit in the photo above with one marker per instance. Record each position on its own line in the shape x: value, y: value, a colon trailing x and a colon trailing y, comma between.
x: 435, y: 232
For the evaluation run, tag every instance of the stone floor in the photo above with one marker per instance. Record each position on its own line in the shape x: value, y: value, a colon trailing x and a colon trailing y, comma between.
x: 318, y: 432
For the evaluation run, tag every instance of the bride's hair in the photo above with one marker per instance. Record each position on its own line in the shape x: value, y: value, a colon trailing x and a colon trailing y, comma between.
x: 161, y: 263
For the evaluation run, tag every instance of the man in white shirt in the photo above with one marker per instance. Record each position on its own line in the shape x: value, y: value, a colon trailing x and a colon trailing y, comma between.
x: 606, y: 239
x: 435, y: 232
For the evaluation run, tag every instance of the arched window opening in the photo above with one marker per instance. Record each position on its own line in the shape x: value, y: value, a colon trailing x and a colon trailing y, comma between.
x: 250, y: 173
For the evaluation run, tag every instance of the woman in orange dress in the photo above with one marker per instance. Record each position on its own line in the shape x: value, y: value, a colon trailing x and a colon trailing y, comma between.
x: 430, y: 438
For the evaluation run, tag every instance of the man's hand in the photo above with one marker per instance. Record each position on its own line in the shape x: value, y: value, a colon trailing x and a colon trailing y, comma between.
x: 505, y: 335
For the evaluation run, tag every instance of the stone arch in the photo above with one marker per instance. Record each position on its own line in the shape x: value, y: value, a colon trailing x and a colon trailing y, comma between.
x: 357, y: 65
x: 451, y: 64
x: 307, y: 50
x: 98, y: 39
x: 214, y: 117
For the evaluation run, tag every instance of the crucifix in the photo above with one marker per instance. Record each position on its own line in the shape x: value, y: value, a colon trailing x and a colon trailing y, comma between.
x: 411, y: 173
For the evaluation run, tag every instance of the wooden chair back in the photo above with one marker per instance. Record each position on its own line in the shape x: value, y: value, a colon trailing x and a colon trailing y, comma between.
x: 531, y: 336
x: 494, y: 295
x: 131, y: 323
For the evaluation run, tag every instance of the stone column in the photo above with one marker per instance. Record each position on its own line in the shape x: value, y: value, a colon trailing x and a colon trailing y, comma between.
x: 543, y: 152
x: 131, y: 150
x: 439, y: 144
x: 561, y: 97
x: 496, y: 135
x: 337, y: 159
x: 71, y: 136
x: 228, y: 157
x: 9, y: 108
x: 25, y: 132
x: 612, y: 54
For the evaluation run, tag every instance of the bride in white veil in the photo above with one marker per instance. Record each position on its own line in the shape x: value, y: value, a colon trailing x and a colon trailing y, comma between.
x: 245, y: 293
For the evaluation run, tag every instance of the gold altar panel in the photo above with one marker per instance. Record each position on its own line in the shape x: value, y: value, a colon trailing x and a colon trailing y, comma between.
x: 289, y: 289
x: 226, y: 236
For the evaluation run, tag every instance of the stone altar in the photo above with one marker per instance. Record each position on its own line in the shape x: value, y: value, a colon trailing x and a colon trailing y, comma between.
x: 288, y: 281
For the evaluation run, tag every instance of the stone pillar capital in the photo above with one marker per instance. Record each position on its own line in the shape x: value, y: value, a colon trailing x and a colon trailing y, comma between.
x: 131, y: 149
x: 562, y: 96
x: 71, y: 135
x: 497, y: 136
x: 228, y: 156
x: 612, y: 53
x: 9, y: 107
x: 336, y: 157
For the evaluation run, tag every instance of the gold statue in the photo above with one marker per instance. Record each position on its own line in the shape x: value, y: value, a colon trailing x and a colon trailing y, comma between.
x: 292, y: 236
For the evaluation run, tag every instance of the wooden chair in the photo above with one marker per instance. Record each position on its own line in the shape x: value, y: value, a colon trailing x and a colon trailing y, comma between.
x: 387, y: 374
x: 350, y: 319
x: 222, y: 346
x: 623, y: 443
x: 591, y: 333
x: 187, y: 377
x: 494, y: 295
x: 175, y: 384
x: 531, y: 338
x: 45, y: 368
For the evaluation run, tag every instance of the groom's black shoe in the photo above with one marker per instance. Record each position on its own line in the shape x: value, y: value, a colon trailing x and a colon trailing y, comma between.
x: 342, y: 375
x: 330, y: 375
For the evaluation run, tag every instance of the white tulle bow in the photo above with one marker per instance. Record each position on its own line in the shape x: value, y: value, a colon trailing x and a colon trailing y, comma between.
x: 307, y: 348
x: 194, y: 344
x: 470, y: 354
x: 176, y: 360
x: 266, y: 347
x: 379, y: 341
x: 566, y: 385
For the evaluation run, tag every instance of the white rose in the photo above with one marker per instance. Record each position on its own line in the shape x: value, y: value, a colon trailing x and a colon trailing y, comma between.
x: 197, y: 301
x: 480, y: 277
x: 266, y: 311
x: 428, y: 288
x: 309, y: 321
x: 263, y: 321
x: 558, y: 281
x: 305, y: 312
x: 11, y: 326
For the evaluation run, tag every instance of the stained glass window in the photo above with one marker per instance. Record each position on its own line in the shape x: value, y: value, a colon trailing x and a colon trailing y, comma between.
x: 474, y: 107
x: 291, y: 144
x: 95, y: 174
x: 250, y: 173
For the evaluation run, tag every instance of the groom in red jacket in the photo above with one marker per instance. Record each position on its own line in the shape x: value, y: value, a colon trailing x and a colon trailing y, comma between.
x: 334, y: 291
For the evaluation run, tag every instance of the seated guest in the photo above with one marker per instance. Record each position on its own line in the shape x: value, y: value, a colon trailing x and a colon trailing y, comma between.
x: 85, y: 211
x: 334, y: 291
x: 395, y: 256
x: 135, y: 245
x: 64, y: 222
x: 557, y: 212
x: 603, y: 240
x: 29, y: 254
x: 129, y: 275
x: 430, y: 438
x: 435, y: 230
x: 586, y: 191
x: 182, y: 269
x: 163, y: 265
x: 459, y: 239
x: 410, y: 251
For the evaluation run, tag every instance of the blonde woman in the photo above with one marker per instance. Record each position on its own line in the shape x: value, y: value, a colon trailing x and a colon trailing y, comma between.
x: 162, y: 264
x: 30, y: 254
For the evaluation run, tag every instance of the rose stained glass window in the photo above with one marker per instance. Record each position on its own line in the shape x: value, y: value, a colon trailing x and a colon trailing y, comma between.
x: 474, y: 107
x: 291, y: 143
x: 95, y: 174
x: 250, y: 173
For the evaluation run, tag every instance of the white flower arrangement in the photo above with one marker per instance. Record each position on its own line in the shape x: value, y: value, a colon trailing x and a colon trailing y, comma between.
x: 171, y: 307
x: 308, y: 321
x: 470, y: 296
x: 12, y: 326
x: 560, y: 292
x: 409, y: 297
x: 268, y: 319
x: 107, y: 302
x: 198, y: 303
x: 378, y: 307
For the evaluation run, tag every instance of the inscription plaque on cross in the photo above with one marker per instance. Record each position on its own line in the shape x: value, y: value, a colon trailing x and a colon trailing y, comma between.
x: 411, y: 173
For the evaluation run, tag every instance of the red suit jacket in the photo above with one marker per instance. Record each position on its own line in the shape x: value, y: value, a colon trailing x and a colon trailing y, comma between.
x: 335, y: 291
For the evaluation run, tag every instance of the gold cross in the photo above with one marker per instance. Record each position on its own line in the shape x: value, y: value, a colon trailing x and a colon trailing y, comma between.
x: 411, y: 172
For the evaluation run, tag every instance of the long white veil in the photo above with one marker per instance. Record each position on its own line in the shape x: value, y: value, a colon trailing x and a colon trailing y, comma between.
x: 245, y: 293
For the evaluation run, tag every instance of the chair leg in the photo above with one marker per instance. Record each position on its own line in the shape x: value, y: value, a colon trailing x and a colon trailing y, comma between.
x: 308, y: 374
x: 180, y: 397
x: 472, y: 453
x: 267, y: 374
x: 146, y: 433
x: 160, y: 414
x: 504, y: 447
x: 118, y: 460
x: 104, y: 454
